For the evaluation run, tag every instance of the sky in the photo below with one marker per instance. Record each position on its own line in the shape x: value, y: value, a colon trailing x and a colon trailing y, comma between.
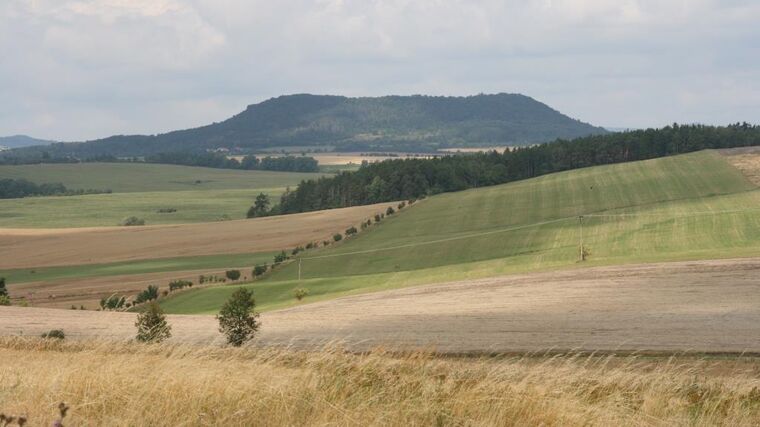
x: 75, y: 70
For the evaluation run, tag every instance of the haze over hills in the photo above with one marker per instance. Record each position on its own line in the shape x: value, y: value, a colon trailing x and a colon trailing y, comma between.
x: 17, y: 141
x: 402, y: 123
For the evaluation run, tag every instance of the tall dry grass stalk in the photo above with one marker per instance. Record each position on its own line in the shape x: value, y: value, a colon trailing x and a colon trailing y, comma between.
x: 172, y: 385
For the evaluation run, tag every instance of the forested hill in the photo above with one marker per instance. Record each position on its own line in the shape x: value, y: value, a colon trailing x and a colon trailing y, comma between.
x: 414, y: 178
x: 399, y: 123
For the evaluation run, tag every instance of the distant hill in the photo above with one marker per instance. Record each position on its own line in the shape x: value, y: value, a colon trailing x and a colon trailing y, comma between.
x: 17, y: 141
x: 402, y: 123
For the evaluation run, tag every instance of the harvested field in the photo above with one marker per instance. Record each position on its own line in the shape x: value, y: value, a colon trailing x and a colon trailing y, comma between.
x: 704, y: 306
x: 746, y: 159
x: 87, y: 292
x: 29, y: 248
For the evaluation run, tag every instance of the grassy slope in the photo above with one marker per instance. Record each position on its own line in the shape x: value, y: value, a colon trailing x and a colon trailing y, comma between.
x: 138, y: 177
x: 24, y: 275
x: 668, y: 195
x: 139, y: 190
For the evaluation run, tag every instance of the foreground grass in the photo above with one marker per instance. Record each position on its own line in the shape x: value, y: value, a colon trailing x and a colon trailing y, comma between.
x: 687, y: 207
x: 164, y: 385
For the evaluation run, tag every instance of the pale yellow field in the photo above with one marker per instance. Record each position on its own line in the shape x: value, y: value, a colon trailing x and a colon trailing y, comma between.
x: 169, y: 385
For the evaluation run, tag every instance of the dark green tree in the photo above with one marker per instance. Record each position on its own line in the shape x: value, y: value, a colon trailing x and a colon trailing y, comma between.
x: 151, y: 324
x: 3, y: 290
x: 260, y: 206
x: 232, y: 274
x: 237, y: 319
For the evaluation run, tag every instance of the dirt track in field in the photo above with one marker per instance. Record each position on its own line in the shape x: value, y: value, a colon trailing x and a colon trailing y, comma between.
x: 27, y: 248
x: 711, y: 306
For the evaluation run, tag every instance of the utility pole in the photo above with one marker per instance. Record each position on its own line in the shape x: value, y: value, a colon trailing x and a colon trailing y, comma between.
x: 580, y: 221
x: 299, y: 269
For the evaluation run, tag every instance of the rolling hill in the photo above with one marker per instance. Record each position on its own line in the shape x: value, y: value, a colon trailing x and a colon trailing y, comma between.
x: 18, y: 141
x: 402, y: 123
x: 692, y: 206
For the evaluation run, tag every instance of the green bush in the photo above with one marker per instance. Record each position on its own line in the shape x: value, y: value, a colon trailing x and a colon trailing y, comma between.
x: 54, y: 333
x: 149, y: 294
x: 390, y: 210
x: 4, y: 300
x: 3, y: 289
x: 237, y: 319
x: 259, y: 270
x: 281, y: 257
x: 132, y: 221
x: 232, y: 274
x: 337, y: 237
x: 151, y: 325
x: 351, y: 231
x: 114, y: 302
x: 300, y: 293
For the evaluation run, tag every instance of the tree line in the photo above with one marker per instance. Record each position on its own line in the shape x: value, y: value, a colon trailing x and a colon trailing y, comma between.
x: 209, y: 160
x: 404, y: 179
x: 18, y: 188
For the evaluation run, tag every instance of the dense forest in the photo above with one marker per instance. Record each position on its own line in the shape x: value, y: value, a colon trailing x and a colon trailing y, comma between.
x: 413, y: 178
x: 18, y: 188
x: 390, y: 123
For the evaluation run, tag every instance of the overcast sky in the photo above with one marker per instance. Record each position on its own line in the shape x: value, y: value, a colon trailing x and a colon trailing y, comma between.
x: 83, y: 69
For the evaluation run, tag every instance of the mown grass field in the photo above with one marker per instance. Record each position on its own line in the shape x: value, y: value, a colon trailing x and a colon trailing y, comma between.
x: 210, y: 262
x: 198, y: 194
x: 108, y: 210
x: 141, y: 177
x: 686, y: 207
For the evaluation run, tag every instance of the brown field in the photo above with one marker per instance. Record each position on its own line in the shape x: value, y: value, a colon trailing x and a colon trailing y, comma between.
x: 703, y: 306
x: 28, y: 248
x: 174, y: 385
x: 88, y: 291
x: 746, y: 159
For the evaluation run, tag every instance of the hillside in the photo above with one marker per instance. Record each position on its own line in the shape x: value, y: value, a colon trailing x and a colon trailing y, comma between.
x: 693, y: 206
x: 18, y: 141
x: 402, y: 123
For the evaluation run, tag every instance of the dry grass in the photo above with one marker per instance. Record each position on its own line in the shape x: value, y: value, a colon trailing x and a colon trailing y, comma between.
x: 168, y: 385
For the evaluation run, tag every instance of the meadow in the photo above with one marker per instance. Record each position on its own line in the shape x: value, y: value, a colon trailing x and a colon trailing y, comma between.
x: 143, y: 190
x: 694, y: 206
x: 106, y: 383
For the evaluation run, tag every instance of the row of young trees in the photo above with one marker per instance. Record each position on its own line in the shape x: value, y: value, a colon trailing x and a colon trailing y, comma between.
x: 401, y: 179
x: 18, y: 188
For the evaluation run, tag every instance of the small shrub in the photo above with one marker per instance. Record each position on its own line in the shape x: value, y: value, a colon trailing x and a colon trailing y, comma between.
x: 4, y: 300
x: 166, y: 210
x: 390, y: 211
x: 54, y: 334
x: 311, y: 245
x: 237, y: 319
x: 3, y: 289
x: 114, y: 302
x: 351, y: 231
x: 151, y: 325
x: 281, y: 257
x: 296, y: 250
x: 377, y: 218
x: 337, y: 237
x: 259, y: 270
x: 232, y: 274
x: 401, y: 205
x: 179, y: 284
x: 149, y: 294
x: 132, y: 221
x: 300, y: 293
x: 325, y: 243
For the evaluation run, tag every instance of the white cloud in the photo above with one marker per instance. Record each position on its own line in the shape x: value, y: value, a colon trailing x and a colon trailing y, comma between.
x: 78, y: 69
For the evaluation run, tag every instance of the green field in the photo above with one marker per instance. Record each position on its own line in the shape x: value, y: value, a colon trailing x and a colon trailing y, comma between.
x: 198, y: 194
x: 686, y: 207
x: 144, y: 177
x: 206, y: 262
